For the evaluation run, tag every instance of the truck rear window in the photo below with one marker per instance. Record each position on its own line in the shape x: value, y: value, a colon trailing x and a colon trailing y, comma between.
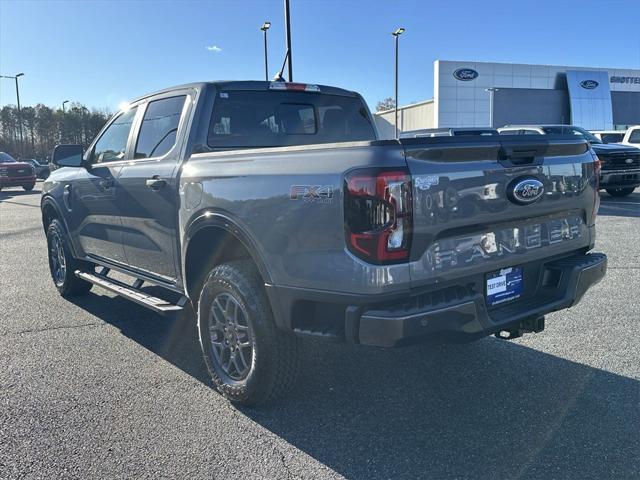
x: 253, y: 119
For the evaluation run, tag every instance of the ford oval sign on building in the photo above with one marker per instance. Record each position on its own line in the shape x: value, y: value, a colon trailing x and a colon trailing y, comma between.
x: 465, y: 74
x: 589, y: 84
x: 525, y: 191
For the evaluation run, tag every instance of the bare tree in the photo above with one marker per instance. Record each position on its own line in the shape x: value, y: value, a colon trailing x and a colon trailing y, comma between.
x: 43, y: 127
x: 386, y: 104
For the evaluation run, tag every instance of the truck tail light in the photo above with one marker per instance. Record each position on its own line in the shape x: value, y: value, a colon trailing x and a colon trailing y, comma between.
x: 378, y: 214
x: 296, y: 87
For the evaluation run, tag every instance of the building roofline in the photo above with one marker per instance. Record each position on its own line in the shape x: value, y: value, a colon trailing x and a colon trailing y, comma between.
x: 538, y: 64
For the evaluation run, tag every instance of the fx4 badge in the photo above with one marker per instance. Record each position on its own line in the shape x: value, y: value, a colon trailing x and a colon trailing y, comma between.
x: 311, y: 193
x: 525, y: 191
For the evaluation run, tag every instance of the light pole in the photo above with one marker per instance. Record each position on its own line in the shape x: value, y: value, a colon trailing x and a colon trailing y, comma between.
x: 62, y: 122
x: 397, y: 34
x: 265, y: 26
x: 15, y: 77
x: 492, y: 91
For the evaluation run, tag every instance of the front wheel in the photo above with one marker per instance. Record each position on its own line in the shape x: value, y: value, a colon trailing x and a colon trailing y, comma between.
x: 620, y: 192
x: 28, y: 188
x: 62, y: 264
x: 250, y: 361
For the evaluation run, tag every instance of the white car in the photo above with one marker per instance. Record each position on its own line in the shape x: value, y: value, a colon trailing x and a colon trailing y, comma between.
x: 632, y: 137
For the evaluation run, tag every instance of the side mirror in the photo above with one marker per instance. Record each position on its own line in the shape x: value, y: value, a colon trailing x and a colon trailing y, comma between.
x: 67, y: 155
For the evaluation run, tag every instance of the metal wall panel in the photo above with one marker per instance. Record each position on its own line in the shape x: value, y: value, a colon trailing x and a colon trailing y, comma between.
x: 590, y: 99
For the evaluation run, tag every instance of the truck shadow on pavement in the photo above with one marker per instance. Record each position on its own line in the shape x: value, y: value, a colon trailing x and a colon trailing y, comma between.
x: 16, y: 194
x: 492, y: 409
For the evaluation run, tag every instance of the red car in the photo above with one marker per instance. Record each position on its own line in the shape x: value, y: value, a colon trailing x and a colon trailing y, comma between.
x: 16, y: 174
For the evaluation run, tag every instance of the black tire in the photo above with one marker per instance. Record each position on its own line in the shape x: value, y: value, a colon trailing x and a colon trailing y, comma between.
x: 64, y: 279
x: 28, y: 188
x: 272, y: 363
x: 620, y: 192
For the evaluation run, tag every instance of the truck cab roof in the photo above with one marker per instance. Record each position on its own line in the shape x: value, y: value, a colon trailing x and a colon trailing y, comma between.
x: 255, y: 85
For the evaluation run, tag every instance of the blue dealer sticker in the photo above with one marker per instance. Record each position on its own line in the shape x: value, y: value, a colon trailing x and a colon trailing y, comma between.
x: 504, y: 285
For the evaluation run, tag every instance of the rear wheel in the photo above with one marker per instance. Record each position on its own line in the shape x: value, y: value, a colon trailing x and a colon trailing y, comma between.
x: 62, y: 265
x: 250, y: 361
x: 620, y: 192
x: 28, y: 188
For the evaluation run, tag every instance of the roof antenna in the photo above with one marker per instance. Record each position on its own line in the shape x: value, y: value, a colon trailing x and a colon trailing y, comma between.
x: 278, y: 77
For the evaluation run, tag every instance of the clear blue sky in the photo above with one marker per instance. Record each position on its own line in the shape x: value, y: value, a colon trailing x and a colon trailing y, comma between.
x: 101, y: 53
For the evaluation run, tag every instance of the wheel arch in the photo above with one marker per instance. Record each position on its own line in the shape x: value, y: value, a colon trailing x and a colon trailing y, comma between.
x: 50, y: 210
x: 216, y: 234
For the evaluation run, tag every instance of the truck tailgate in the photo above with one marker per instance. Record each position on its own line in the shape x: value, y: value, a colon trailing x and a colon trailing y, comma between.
x: 467, y: 220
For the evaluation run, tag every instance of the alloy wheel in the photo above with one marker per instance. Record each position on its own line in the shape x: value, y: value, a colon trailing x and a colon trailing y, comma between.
x: 57, y: 258
x: 231, y: 336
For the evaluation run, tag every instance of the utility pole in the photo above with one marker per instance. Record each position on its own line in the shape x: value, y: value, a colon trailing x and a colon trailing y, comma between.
x: 265, y: 26
x: 84, y: 126
x: 397, y: 34
x: 15, y: 77
x: 287, y: 21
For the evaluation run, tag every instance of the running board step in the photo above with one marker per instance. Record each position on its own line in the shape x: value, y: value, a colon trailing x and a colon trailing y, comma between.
x: 156, y: 304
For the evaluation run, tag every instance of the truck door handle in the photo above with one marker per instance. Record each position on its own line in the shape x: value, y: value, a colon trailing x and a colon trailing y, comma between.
x: 66, y: 196
x: 155, y: 183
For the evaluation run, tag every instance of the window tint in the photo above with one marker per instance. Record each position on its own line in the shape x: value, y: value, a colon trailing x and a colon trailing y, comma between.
x: 112, y: 145
x: 570, y: 130
x: 612, y: 137
x: 244, y: 119
x: 159, y: 127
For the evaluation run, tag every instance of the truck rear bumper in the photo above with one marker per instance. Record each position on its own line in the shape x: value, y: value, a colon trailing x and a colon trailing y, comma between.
x: 17, y: 181
x: 470, y: 318
x: 450, y: 314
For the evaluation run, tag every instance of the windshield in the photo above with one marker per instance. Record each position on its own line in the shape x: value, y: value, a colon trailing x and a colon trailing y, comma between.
x: 570, y: 130
x: 6, y: 158
x: 612, y: 137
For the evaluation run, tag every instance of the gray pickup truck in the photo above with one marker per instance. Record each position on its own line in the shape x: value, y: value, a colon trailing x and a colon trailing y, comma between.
x: 273, y: 211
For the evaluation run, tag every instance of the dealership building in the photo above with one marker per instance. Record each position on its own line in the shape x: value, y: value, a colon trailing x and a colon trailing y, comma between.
x: 478, y: 94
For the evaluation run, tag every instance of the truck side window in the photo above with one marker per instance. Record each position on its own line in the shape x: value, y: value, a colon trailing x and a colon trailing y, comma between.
x: 634, y: 137
x: 112, y: 145
x: 159, y: 127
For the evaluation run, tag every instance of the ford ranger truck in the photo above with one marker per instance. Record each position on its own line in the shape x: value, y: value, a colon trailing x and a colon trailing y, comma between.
x: 273, y: 211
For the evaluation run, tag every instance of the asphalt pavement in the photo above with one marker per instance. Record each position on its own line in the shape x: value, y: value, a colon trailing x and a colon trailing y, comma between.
x: 101, y: 388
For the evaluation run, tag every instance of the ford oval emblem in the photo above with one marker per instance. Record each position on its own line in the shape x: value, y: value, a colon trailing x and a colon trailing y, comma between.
x: 589, y: 84
x: 465, y: 74
x: 525, y: 191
